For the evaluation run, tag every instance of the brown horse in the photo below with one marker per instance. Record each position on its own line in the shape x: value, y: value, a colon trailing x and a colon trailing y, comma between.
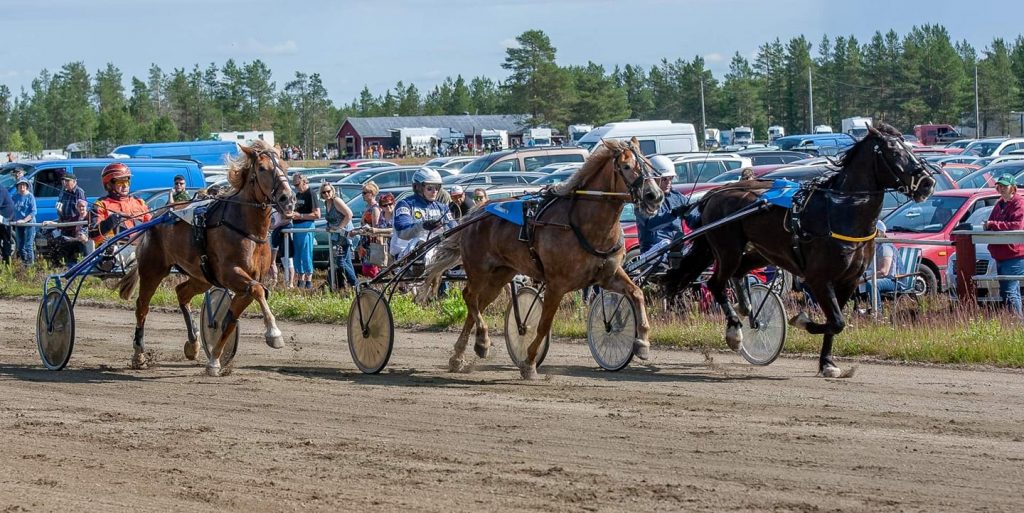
x: 237, y: 252
x: 577, y: 242
x: 832, y: 243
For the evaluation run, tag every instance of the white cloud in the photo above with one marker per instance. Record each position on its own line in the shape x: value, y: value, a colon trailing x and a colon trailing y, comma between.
x: 253, y: 47
x: 714, y: 57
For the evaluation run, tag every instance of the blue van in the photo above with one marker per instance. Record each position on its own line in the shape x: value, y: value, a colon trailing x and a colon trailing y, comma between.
x: 819, y: 144
x: 47, y: 178
x: 207, y: 153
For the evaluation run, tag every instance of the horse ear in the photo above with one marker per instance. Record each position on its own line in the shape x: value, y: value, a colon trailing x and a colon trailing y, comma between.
x: 609, y: 143
x: 872, y: 130
x: 248, y: 150
x: 634, y: 142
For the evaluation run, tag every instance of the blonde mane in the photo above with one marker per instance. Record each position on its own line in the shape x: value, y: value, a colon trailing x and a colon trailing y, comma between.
x: 595, y: 162
x: 240, y: 166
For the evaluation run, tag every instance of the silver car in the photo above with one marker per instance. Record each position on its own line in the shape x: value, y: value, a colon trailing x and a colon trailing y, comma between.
x: 986, y: 287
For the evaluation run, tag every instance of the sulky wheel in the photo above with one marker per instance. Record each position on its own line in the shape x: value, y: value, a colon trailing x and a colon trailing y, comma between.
x: 55, y: 329
x: 611, y: 330
x: 216, y: 303
x: 520, y: 334
x: 764, y: 330
x: 371, y: 331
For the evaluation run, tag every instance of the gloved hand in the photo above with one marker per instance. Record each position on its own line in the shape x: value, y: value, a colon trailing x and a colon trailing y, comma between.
x: 431, y: 225
x: 111, y: 222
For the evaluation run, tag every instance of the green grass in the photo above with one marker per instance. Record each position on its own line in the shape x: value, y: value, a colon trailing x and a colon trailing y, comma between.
x: 942, y: 333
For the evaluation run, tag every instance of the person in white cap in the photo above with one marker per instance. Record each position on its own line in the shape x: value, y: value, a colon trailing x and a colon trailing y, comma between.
x: 664, y: 225
x: 459, y: 205
x: 885, y: 257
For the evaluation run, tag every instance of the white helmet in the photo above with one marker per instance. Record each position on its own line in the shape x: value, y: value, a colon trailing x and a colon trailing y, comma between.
x: 426, y: 175
x: 663, y: 166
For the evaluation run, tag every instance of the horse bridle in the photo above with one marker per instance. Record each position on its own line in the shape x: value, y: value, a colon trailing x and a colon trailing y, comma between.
x: 916, y: 178
x: 642, y: 174
x: 279, y: 173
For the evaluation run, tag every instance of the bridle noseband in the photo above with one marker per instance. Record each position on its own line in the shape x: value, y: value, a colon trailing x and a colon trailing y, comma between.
x: 644, y: 173
x: 281, y: 180
x: 909, y: 184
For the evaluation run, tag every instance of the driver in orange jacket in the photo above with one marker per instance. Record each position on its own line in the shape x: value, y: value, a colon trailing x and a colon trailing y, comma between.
x: 117, y: 210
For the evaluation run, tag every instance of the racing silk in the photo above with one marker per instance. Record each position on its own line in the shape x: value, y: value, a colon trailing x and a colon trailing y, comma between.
x: 664, y: 224
x: 410, y: 213
x: 132, y: 210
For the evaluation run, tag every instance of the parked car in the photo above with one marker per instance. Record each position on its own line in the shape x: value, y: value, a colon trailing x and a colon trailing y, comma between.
x: 203, y: 152
x: 453, y: 164
x: 352, y: 165
x: 759, y: 171
x: 986, y: 176
x: 524, y: 159
x: 994, y: 146
x: 986, y: 286
x: 933, y: 220
x: 157, y: 198
x: 553, y: 178
x: 815, y: 144
x: 497, y: 178
x: 390, y: 177
x: 701, y: 167
x: 761, y: 156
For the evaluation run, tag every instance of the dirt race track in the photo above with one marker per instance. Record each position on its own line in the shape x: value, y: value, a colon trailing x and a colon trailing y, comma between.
x: 301, y: 429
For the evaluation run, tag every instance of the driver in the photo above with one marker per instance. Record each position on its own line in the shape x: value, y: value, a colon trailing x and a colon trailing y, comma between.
x: 117, y: 210
x: 417, y: 217
x: 664, y: 224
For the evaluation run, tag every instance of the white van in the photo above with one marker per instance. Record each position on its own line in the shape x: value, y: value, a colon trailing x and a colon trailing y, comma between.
x: 656, y: 137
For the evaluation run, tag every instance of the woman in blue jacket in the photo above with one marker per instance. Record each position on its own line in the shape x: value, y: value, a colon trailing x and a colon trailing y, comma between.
x: 24, y: 212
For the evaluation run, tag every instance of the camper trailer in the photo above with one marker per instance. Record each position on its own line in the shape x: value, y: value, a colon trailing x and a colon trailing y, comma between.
x: 576, y: 132
x: 857, y: 127
x: 537, y: 137
x: 775, y: 132
x: 494, y: 140
x: 245, y: 138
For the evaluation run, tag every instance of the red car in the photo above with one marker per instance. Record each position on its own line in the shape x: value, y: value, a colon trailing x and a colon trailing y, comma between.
x: 933, y: 220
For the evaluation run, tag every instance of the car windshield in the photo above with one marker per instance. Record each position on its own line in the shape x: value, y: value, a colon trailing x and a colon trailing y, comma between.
x: 7, y: 173
x: 360, y: 176
x: 930, y: 216
x: 981, y: 148
x: 978, y: 217
x: 729, y: 176
x: 628, y: 214
x: 479, y: 164
x: 552, y: 178
x: 787, y: 144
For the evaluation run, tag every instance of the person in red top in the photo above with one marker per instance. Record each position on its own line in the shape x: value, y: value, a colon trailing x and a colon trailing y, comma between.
x: 117, y: 210
x: 1008, y: 214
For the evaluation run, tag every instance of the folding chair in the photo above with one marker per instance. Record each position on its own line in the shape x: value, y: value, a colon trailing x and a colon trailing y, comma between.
x: 904, y: 302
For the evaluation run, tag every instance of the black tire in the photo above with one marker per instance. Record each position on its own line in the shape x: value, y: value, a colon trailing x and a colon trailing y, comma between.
x: 931, y: 282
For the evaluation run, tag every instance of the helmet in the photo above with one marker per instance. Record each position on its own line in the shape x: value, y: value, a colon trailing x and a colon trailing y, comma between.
x: 457, y: 190
x: 663, y: 167
x: 114, y: 171
x: 426, y: 175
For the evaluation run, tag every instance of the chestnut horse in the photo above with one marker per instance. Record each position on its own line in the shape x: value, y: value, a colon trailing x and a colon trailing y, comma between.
x: 834, y: 239
x: 577, y: 242
x: 237, y: 252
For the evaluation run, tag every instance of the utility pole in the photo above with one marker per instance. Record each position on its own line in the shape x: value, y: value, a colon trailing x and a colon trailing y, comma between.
x: 703, y: 120
x: 810, y: 91
x: 977, y: 112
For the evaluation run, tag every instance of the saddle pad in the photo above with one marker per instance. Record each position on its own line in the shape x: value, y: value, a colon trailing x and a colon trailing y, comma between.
x: 511, y: 211
x: 188, y: 213
x: 781, y: 193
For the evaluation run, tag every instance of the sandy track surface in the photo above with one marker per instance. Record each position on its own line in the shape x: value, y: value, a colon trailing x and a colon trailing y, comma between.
x: 301, y: 429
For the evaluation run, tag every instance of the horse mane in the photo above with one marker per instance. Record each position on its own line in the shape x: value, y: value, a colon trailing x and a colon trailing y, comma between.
x: 592, y: 166
x: 240, y: 166
x: 855, y: 150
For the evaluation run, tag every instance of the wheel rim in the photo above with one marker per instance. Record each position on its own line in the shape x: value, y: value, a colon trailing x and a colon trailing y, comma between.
x: 611, y: 330
x: 371, y: 331
x: 216, y: 304
x: 763, y: 342
x: 530, y: 309
x: 55, y: 329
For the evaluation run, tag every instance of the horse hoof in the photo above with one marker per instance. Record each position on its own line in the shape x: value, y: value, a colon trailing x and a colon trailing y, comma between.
x: 481, y: 350
x: 799, y: 320
x: 275, y: 342
x: 642, y: 349
x: 456, y: 364
x: 734, y: 337
x: 528, y: 371
x: 191, y: 350
x: 831, y: 371
x: 213, y: 370
x: 139, y: 361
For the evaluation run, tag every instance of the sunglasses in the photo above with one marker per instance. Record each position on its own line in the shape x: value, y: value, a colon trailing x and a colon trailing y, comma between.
x: 326, y: 191
x: 478, y: 197
x: 123, y: 181
x: 387, y: 204
x: 367, y: 192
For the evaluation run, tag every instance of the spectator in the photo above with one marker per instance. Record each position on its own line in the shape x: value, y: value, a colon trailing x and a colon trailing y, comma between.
x: 178, y: 193
x: 118, y: 209
x: 25, y: 212
x: 6, y: 214
x: 72, y: 207
x: 885, y: 257
x: 747, y: 173
x: 459, y: 205
x: 1008, y: 214
x: 339, y: 225
x: 370, y: 218
x: 479, y: 197
x: 307, y: 210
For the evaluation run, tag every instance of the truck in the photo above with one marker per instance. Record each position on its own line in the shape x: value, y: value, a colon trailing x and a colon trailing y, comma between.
x: 655, y: 136
x: 932, y: 134
x: 576, y: 132
x: 711, y: 138
x: 537, y: 137
x: 774, y: 132
x: 244, y: 138
x: 857, y: 126
x: 742, y: 135
x: 822, y: 129
x: 494, y: 139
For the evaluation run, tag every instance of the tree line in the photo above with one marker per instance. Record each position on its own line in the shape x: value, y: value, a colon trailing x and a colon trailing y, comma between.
x: 920, y: 77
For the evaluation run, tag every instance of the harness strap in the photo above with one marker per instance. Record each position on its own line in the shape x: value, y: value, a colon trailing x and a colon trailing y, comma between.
x: 847, y: 238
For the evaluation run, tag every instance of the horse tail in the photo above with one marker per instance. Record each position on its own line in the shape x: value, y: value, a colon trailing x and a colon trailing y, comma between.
x: 695, y: 260
x: 447, y: 255
x: 126, y: 285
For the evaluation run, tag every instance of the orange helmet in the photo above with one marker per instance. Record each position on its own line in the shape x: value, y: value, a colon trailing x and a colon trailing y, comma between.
x: 114, y: 171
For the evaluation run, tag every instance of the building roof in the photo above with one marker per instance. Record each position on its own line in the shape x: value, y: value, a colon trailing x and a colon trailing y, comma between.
x: 466, y: 123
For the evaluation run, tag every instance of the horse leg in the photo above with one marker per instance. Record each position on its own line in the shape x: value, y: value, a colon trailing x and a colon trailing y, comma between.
x: 739, y: 286
x: 148, y: 282
x: 528, y: 368
x: 238, y: 305
x: 833, y: 325
x: 185, y: 291
x: 620, y: 282
x: 273, y: 335
x: 733, y: 325
x: 485, y: 297
x: 469, y: 296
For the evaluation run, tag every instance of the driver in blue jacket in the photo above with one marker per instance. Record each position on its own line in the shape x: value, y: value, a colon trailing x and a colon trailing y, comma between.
x: 417, y: 217
x: 664, y: 224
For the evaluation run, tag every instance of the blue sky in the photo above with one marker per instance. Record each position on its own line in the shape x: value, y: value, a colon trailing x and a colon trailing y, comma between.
x: 357, y: 43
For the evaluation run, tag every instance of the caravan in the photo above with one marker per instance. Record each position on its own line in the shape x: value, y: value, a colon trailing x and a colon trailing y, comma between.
x: 661, y: 136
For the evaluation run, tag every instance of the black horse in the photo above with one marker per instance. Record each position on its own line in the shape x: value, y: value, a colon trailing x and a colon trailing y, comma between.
x: 826, y: 238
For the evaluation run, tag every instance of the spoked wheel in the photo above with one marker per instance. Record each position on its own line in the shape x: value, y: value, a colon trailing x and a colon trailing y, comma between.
x: 371, y: 331
x: 519, y: 335
x: 764, y: 330
x: 611, y: 330
x: 216, y: 304
x: 55, y: 329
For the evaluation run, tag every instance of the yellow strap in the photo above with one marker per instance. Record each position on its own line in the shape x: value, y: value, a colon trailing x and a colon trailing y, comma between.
x: 853, y: 239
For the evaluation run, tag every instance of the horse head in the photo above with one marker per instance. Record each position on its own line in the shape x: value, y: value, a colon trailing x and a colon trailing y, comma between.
x: 900, y: 169
x: 637, y: 175
x: 267, y: 177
